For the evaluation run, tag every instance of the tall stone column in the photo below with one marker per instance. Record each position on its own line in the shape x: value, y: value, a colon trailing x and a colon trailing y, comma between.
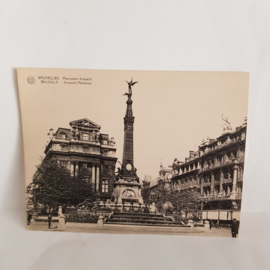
x: 76, y: 168
x: 240, y: 172
x: 97, y: 179
x: 128, y: 134
x: 202, y: 182
x: 221, y: 178
x: 235, y: 171
x: 228, y: 191
x: 72, y: 168
x: 238, y: 153
x: 240, y: 191
x: 93, y: 175
x: 212, y: 183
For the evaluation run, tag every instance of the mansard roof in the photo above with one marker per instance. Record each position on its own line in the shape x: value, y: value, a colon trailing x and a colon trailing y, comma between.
x: 85, y: 122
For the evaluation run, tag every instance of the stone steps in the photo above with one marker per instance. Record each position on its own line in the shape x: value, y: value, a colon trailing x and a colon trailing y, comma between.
x: 137, y: 214
x: 147, y: 224
x: 140, y: 216
x: 149, y: 221
x: 143, y: 219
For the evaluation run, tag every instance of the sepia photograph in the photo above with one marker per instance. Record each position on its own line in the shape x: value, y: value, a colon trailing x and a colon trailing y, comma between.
x: 134, y: 152
x: 135, y: 135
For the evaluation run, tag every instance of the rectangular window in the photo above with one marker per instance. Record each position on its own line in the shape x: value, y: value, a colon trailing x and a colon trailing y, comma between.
x: 86, y: 180
x: 85, y: 137
x: 63, y: 163
x: 105, y: 186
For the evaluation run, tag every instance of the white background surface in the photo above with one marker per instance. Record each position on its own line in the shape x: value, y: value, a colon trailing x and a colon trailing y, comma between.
x: 149, y: 35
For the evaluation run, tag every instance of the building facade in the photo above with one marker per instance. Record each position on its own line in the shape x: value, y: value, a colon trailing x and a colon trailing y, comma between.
x: 213, y: 175
x: 215, y: 171
x: 83, y: 146
x: 151, y: 186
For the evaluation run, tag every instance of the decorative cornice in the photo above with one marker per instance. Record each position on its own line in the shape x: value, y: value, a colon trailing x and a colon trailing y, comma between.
x: 71, y: 153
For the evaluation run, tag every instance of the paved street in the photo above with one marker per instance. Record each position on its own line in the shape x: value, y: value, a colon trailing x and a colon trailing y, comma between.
x: 128, y: 229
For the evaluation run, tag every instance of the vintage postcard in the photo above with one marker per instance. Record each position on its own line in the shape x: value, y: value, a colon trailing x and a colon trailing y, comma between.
x: 142, y: 152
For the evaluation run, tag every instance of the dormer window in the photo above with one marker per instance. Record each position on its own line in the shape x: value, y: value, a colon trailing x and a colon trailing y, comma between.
x: 85, y: 137
x: 62, y: 135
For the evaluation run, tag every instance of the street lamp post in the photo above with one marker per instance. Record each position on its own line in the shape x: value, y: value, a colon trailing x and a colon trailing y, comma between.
x: 203, y: 199
x: 35, y: 199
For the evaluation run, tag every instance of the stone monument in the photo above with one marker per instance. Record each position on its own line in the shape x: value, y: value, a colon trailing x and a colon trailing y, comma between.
x: 127, y: 187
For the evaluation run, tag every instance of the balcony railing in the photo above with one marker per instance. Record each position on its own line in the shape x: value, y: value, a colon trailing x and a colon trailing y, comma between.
x: 227, y: 181
x: 207, y: 184
x: 61, y: 138
x: 218, y: 165
x: 219, y: 198
x: 215, y: 198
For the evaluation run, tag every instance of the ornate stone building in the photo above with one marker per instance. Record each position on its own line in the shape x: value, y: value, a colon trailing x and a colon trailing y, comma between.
x: 150, y: 186
x: 83, y: 146
x: 216, y: 172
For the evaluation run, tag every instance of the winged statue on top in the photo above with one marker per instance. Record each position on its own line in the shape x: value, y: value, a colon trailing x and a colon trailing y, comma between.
x: 130, y: 84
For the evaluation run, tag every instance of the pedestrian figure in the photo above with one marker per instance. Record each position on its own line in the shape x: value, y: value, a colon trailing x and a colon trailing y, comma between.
x: 29, y: 217
x: 146, y: 209
x: 210, y: 224
x: 49, y: 220
x: 234, y: 228
x: 217, y: 225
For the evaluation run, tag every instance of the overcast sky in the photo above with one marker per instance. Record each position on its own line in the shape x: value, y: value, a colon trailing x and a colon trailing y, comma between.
x: 173, y: 110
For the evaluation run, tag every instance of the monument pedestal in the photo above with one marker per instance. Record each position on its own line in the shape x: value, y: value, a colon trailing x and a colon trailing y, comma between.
x: 62, y: 221
x: 126, y: 192
x: 34, y: 216
x: 100, y: 221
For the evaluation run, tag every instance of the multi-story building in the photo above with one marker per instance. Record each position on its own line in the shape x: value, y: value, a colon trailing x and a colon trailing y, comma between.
x: 216, y: 172
x: 83, y: 146
x: 146, y: 188
x: 151, y: 186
